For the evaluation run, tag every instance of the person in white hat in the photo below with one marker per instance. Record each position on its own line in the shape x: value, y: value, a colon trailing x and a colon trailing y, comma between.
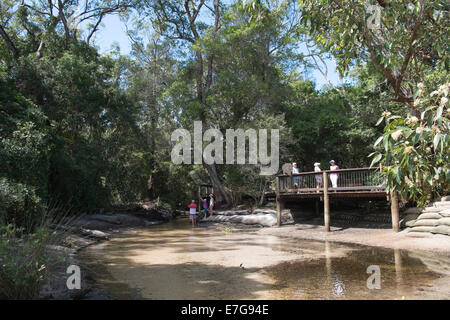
x: 334, y: 176
x: 318, y: 176
x: 295, y: 171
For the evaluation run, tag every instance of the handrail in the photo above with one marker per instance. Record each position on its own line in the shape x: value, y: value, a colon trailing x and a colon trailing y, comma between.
x: 342, y: 180
x: 329, y: 171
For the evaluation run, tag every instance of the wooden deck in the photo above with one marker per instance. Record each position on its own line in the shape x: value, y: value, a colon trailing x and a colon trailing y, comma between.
x: 363, y: 183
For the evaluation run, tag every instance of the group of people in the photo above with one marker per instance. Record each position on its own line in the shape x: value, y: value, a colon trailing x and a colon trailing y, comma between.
x: 207, y: 211
x: 319, y: 179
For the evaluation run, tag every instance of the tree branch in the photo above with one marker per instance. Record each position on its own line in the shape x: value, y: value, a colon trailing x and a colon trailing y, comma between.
x: 9, y: 42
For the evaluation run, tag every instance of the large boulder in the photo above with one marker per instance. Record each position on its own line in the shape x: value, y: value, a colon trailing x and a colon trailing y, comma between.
x: 95, y: 234
x: 232, y: 212
x: 265, y: 211
x: 263, y: 217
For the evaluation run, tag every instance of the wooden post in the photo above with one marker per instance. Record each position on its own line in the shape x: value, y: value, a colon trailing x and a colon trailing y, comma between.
x: 279, y: 203
x: 394, y: 211
x: 280, y: 208
x: 326, y: 202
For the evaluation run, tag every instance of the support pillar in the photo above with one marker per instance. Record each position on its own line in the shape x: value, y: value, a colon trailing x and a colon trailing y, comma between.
x: 326, y: 202
x: 280, y: 208
x: 395, y: 211
x: 279, y: 205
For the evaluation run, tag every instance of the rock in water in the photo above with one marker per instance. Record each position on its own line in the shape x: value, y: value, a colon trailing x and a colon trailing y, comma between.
x: 263, y: 217
x: 94, y: 234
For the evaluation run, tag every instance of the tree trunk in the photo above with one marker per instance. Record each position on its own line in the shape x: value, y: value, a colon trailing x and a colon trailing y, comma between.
x: 261, y: 199
x: 211, y: 168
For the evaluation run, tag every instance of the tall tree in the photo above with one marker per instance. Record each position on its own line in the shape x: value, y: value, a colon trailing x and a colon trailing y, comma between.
x: 403, y: 39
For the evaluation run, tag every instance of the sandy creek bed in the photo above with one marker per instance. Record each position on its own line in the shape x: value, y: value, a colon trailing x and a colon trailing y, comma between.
x: 173, y: 261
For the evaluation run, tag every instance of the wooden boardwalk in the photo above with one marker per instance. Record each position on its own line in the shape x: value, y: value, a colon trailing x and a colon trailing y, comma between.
x: 363, y: 183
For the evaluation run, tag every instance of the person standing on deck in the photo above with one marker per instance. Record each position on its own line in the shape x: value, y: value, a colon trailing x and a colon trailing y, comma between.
x: 334, y: 176
x: 211, y: 204
x: 318, y: 177
x: 193, y: 212
x: 296, y: 170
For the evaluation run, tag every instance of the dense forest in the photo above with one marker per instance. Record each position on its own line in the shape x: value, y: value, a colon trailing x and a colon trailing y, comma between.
x: 93, y: 130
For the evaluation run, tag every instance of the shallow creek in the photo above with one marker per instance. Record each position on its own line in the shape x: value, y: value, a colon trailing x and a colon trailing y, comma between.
x: 174, y: 261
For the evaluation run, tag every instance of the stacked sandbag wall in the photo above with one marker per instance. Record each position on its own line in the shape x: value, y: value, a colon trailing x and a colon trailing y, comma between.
x: 433, y: 219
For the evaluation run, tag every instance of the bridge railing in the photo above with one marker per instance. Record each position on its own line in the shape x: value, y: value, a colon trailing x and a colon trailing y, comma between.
x: 356, y: 179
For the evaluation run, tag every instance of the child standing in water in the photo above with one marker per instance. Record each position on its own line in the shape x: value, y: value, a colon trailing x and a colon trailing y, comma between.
x: 211, y: 204
x: 193, y: 212
x: 334, y: 176
x: 205, y: 207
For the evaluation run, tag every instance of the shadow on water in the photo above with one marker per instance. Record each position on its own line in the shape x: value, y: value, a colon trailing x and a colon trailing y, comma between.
x: 173, y: 261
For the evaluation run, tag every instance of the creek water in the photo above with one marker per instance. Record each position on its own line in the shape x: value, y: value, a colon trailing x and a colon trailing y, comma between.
x: 174, y: 261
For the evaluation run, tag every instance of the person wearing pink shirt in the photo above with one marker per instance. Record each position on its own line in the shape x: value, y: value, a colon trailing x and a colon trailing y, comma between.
x: 193, y: 212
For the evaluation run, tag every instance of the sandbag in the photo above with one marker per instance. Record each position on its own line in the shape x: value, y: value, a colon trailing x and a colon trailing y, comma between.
x: 429, y: 215
x: 442, y: 204
x: 408, y: 220
x: 445, y: 230
x: 410, y: 223
x: 416, y: 211
x: 445, y: 213
x: 432, y: 209
x: 426, y: 222
x: 444, y: 222
x: 421, y: 229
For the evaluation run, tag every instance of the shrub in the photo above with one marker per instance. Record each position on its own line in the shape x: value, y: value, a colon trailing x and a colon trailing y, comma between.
x: 23, y: 262
x: 19, y: 204
x: 415, y: 149
x: 27, y: 255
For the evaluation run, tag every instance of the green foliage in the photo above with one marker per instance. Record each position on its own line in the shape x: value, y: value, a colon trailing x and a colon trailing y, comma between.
x: 414, y: 151
x: 19, y: 204
x: 332, y: 124
x: 94, y: 130
x: 23, y: 262
x: 348, y: 31
x: 407, y: 48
